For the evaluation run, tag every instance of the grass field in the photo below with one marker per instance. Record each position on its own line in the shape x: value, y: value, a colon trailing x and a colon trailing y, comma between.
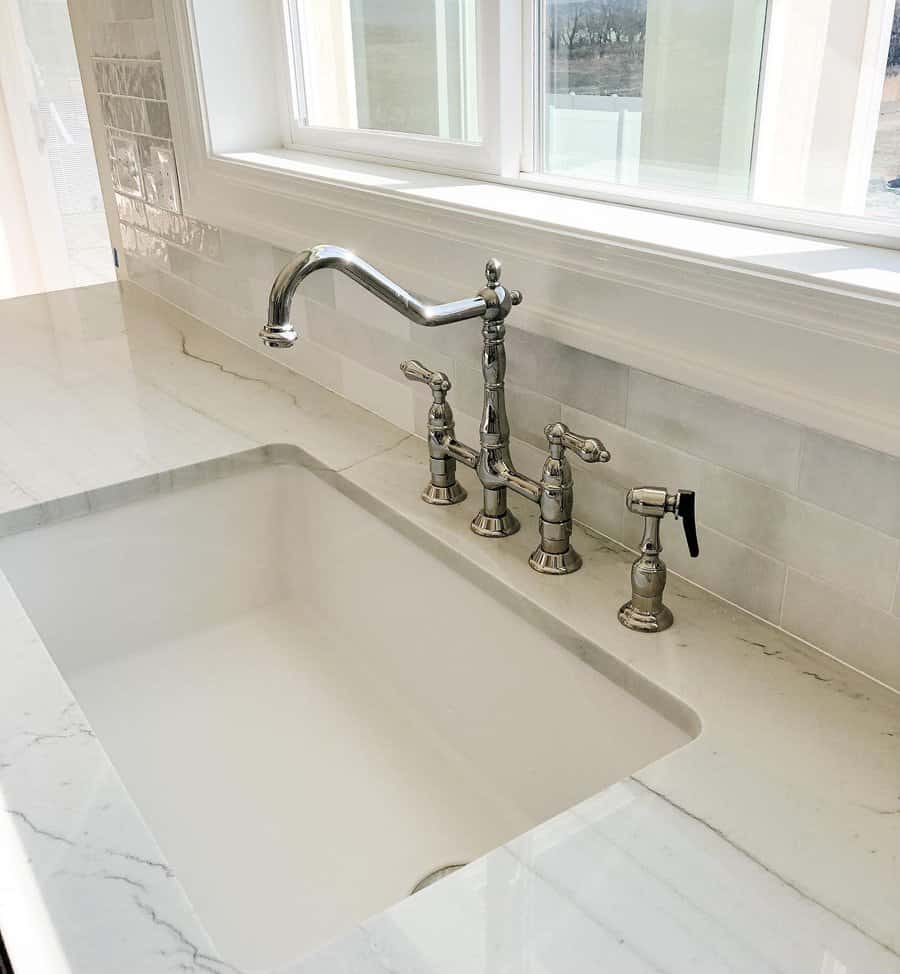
x: 609, y: 70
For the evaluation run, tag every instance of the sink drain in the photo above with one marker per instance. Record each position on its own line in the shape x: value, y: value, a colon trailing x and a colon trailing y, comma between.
x: 434, y: 876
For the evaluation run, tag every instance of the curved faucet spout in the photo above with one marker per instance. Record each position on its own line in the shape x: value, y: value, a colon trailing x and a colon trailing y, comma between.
x: 279, y: 333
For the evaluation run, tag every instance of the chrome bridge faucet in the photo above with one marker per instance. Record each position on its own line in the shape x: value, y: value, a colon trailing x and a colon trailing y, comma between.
x: 492, y: 462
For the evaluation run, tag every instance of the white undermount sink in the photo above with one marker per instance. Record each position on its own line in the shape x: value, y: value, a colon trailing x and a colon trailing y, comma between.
x: 311, y: 709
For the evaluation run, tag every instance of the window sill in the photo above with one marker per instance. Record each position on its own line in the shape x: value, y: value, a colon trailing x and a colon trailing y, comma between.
x: 856, y: 269
x: 804, y: 328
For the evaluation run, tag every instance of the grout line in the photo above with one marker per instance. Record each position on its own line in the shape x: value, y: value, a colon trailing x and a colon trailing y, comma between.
x: 144, y: 98
x: 629, y: 376
x: 787, y: 572
x: 125, y: 59
x: 895, y: 605
x: 801, y: 457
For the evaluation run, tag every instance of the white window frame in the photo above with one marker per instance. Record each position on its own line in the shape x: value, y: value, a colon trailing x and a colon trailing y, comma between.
x: 489, y: 156
x: 511, y: 122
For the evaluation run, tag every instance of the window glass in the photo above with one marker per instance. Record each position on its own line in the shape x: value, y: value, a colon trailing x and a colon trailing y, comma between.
x: 654, y: 93
x: 884, y: 184
x: 391, y: 66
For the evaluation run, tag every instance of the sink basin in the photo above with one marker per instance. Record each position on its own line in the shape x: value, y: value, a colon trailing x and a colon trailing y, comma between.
x: 310, y: 707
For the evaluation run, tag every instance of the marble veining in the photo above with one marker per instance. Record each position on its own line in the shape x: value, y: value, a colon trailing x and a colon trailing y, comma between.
x: 769, y: 844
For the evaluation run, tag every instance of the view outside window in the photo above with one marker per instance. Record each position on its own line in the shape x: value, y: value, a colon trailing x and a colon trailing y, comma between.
x: 884, y: 186
x: 594, y: 80
x: 663, y: 96
x: 393, y: 66
x: 655, y: 93
x: 658, y: 93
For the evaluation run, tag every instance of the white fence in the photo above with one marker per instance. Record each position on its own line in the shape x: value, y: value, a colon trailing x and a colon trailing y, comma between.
x: 595, y: 136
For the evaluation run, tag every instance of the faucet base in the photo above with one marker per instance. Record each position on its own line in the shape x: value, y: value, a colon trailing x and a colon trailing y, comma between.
x: 495, y: 526
x: 444, y: 496
x: 555, y: 563
x: 638, y: 621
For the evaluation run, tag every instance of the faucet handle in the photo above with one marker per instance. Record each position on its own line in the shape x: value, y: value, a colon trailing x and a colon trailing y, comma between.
x: 555, y: 554
x: 443, y: 488
x: 657, y: 502
x: 439, y: 382
x: 560, y: 437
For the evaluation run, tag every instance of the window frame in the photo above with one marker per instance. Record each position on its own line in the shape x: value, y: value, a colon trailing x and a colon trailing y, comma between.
x: 511, y: 120
x: 485, y: 158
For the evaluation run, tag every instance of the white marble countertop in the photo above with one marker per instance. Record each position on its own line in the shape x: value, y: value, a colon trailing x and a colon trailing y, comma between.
x: 770, y: 843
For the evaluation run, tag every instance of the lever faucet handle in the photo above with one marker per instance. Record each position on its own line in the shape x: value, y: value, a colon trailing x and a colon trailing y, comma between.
x: 438, y: 382
x: 443, y: 487
x: 657, y: 502
x: 555, y: 554
x: 686, y: 509
x: 560, y: 438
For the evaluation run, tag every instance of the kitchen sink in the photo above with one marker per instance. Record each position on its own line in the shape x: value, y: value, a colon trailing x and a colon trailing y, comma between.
x: 311, y: 704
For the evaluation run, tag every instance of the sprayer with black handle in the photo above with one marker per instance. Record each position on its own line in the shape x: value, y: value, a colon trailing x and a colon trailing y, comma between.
x: 646, y: 611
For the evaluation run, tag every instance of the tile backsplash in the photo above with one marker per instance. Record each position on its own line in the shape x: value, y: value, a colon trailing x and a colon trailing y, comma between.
x: 795, y: 526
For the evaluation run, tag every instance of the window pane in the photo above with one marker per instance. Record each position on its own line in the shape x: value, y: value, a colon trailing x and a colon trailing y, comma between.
x: 391, y: 65
x: 656, y: 93
x: 884, y: 185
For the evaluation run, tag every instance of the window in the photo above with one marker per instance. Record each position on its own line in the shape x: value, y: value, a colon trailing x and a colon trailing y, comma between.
x: 660, y: 94
x: 770, y: 112
x: 393, y: 66
x: 390, y: 77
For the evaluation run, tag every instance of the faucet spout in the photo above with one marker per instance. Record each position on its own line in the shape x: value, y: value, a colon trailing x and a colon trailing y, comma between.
x: 278, y: 331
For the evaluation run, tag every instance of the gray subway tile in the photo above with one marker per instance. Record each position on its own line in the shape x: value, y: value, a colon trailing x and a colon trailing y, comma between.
x: 569, y: 375
x: 129, y: 238
x: 212, y: 278
x: 165, y: 223
x: 145, y: 80
x: 201, y: 238
x: 368, y: 346
x: 131, y: 210
x: 152, y: 248
x: 727, y: 433
x: 144, y: 39
x: 125, y: 164
x: 125, y: 114
x: 599, y: 503
x: 103, y: 71
x: 159, y: 173
x: 844, y: 553
x: 636, y: 461
x: 854, y: 481
x: 132, y: 9
x: 114, y: 40
x: 99, y: 11
x: 134, y: 79
x: 355, y: 301
x: 158, y: 123
x: 843, y: 626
